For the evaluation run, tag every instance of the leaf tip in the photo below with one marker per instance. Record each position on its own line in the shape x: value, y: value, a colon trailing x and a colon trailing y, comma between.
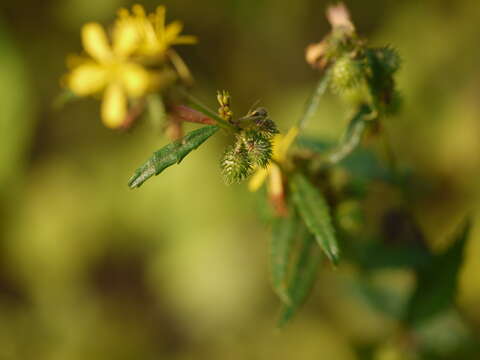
x: 284, y: 296
x: 140, y: 176
x: 334, y: 257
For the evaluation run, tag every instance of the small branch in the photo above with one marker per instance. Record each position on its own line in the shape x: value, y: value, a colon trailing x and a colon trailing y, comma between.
x: 197, y: 105
x: 347, y: 147
x: 352, y: 138
x: 133, y: 113
x: 312, y: 103
x: 184, y: 113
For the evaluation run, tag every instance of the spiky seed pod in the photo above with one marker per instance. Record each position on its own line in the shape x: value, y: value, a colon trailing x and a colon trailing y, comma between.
x: 388, y: 59
x: 236, y: 165
x: 346, y: 73
x: 266, y: 127
x: 258, y: 147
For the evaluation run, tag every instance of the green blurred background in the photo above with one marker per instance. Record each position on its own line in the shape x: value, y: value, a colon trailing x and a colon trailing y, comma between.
x: 178, y: 269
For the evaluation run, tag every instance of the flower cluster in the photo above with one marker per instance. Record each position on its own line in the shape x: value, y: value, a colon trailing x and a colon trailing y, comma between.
x: 252, y: 147
x: 311, y: 204
x: 359, y: 73
x: 137, y: 60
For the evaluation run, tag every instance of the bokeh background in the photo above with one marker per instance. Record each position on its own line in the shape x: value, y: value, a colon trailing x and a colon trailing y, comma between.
x: 178, y: 268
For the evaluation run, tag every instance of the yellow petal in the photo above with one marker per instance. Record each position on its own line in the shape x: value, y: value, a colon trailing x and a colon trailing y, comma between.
x: 125, y: 38
x: 275, y: 190
x: 114, y: 106
x: 179, y: 65
x: 257, y: 179
x: 160, y: 20
x: 185, y: 40
x: 275, y: 183
x: 138, y: 10
x: 87, y: 79
x: 171, y: 31
x: 135, y: 79
x: 281, y: 147
x: 95, y: 42
x: 123, y: 14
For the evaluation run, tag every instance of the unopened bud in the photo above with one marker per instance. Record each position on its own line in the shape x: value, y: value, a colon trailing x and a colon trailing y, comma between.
x: 224, y: 111
x: 346, y: 73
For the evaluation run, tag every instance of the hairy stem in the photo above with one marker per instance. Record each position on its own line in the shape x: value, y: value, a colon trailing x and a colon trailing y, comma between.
x: 184, y: 113
x: 351, y: 139
x: 312, y: 103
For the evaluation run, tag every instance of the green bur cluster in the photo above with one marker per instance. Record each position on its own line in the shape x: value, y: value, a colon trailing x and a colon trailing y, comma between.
x: 346, y: 73
x: 252, y: 146
x: 361, y: 74
x: 366, y: 74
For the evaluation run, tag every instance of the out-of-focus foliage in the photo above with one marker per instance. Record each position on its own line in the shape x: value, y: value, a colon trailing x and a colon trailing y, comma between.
x: 178, y: 269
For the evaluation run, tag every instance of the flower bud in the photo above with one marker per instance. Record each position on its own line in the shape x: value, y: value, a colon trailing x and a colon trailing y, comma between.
x: 224, y: 110
x: 346, y: 73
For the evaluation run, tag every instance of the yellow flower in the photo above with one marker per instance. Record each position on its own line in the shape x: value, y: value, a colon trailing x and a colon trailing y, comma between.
x: 155, y: 38
x: 273, y: 171
x: 109, y: 70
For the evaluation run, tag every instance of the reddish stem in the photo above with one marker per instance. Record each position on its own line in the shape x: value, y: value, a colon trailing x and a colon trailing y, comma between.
x: 133, y: 113
x: 184, y: 113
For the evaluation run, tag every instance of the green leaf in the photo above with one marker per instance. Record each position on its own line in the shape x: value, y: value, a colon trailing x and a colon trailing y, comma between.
x: 386, y: 299
x: 378, y: 255
x: 362, y: 163
x: 304, y: 273
x: 314, y: 210
x: 284, y: 230
x: 171, y: 154
x: 437, y: 282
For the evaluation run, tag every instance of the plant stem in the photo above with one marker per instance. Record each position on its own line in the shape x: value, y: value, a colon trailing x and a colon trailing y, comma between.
x: 184, y: 113
x: 197, y: 105
x: 134, y: 112
x: 350, y: 143
x: 390, y: 154
x: 312, y: 103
